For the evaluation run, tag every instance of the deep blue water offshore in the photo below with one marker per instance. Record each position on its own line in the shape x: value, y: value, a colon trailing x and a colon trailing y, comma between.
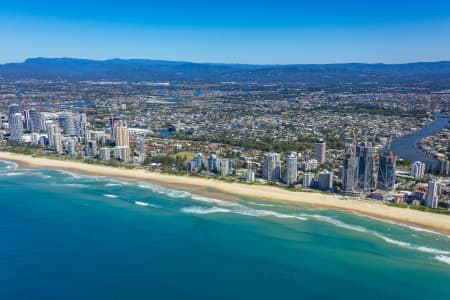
x: 67, y: 236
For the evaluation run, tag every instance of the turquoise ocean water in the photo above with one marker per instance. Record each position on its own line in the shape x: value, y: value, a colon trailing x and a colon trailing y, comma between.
x: 69, y: 236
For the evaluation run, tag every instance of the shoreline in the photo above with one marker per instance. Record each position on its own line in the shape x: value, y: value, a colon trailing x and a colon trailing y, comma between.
x: 230, y: 191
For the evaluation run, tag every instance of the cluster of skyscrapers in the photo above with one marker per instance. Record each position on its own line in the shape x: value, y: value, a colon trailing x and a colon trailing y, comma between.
x: 363, y: 170
x: 68, y: 132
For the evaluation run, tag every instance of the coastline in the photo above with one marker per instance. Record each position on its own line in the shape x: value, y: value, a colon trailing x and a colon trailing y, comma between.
x: 228, y: 191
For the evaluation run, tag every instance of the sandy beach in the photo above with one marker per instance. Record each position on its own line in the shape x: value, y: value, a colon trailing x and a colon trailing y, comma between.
x: 431, y: 221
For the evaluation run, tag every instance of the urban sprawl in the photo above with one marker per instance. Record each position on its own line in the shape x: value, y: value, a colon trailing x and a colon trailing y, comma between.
x: 336, y: 142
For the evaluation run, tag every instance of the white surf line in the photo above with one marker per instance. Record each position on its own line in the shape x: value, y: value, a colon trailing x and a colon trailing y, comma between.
x: 414, y: 228
x: 141, y: 203
x: 442, y: 258
x: 110, y: 195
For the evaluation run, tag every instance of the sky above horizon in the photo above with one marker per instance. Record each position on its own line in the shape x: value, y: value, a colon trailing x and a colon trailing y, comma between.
x: 261, y: 32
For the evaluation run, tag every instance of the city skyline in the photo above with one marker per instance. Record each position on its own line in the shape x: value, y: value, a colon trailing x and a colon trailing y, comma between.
x: 257, y: 33
x: 225, y: 149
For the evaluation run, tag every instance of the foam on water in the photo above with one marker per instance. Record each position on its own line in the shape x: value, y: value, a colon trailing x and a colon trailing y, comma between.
x: 113, y: 184
x: 178, y: 194
x: 336, y: 222
x: 110, y: 195
x: 141, y: 203
x: 392, y: 241
x: 10, y: 170
x: 238, y: 209
x: 163, y: 190
x: 77, y: 185
x: 71, y: 174
x: 111, y: 181
x: 248, y: 211
x: 12, y: 174
x: 173, y: 193
x: 33, y: 172
x: 10, y: 165
x: 213, y: 201
x: 387, y: 239
x: 43, y: 176
x: 200, y: 210
x: 442, y: 258
x: 261, y: 204
x: 417, y: 229
x: 241, y: 210
x: 409, y: 246
x: 432, y: 250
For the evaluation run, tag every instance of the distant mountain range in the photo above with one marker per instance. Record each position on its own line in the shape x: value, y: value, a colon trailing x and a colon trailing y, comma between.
x: 173, y: 71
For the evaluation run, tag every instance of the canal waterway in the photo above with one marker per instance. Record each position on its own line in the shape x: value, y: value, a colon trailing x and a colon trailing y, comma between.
x: 405, y: 147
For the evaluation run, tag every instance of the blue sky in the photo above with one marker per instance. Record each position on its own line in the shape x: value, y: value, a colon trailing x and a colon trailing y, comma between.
x: 263, y: 32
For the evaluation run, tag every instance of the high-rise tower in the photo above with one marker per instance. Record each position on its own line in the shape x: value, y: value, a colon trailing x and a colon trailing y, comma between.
x: 433, y: 193
x: 320, y: 151
x: 35, y: 121
x: 272, y: 167
x: 386, y: 171
x: 291, y: 168
x: 15, y: 127
x: 350, y: 170
x: 365, y: 154
x: 121, y: 135
x: 69, y: 125
x: 54, y: 138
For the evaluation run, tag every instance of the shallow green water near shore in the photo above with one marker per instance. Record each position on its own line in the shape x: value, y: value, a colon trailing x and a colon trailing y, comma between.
x: 67, y: 236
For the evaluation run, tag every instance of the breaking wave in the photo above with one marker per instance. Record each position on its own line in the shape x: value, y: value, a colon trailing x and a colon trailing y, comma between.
x: 237, y: 209
x: 162, y: 190
x: 213, y: 201
x: 110, y: 195
x: 432, y: 250
x: 392, y: 241
x: 10, y: 165
x: 414, y: 228
x: 12, y: 174
x: 141, y: 203
x: 73, y: 175
x: 78, y: 185
x: 183, y: 194
x: 261, y: 204
x: 113, y: 184
x: 248, y: 211
x: 336, y: 222
x: 199, y: 210
x: 442, y: 258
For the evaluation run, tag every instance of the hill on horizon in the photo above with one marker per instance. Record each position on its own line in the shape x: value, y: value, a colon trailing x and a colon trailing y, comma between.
x: 73, y: 69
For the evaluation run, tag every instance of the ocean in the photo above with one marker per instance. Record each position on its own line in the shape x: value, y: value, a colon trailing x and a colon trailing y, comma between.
x: 70, y: 236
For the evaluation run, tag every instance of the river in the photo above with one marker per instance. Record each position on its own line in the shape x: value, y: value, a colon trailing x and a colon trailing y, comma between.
x: 405, y: 146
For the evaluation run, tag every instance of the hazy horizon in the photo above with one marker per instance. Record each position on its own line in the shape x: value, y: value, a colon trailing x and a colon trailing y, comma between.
x: 214, y: 62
